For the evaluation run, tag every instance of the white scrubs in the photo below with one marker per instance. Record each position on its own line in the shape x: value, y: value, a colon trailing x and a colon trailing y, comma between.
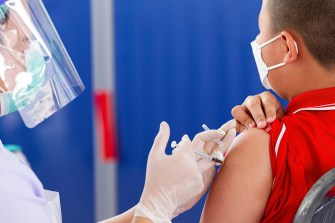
x: 22, y: 196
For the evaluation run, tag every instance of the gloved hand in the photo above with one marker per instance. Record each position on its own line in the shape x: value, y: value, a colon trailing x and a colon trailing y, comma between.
x: 207, y: 145
x: 174, y: 183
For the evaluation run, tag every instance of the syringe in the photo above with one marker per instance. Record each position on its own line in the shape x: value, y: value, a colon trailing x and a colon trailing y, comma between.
x: 212, y: 158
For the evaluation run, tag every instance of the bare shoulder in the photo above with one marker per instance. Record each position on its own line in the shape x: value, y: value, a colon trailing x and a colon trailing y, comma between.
x: 253, y: 140
x: 245, y: 178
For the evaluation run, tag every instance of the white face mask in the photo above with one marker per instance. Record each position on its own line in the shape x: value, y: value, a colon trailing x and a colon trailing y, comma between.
x: 26, y: 82
x: 7, y: 104
x: 263, y: 69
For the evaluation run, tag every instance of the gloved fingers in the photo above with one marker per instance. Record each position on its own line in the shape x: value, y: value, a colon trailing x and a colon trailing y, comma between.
x: 205, y: 165
x: 227, y: 141
x: 176, y: 145
x: 207, y: 170
x: 219, y: 155
x: 210, y: 147
x: 185, y: 145
x: 161, y: 139
x: 228, y: 125
x: 202, y: 138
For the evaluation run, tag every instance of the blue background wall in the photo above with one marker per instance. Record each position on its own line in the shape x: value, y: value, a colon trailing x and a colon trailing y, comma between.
x: 187, y: 62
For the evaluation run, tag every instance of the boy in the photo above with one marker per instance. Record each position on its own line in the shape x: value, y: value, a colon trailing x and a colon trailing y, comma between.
x: 266, y: 175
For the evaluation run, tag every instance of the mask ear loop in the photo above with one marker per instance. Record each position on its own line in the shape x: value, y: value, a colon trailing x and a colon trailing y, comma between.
x: 296, y: 47
x: 281, y: 64
x: 276, y: 66
x: 270, y: 41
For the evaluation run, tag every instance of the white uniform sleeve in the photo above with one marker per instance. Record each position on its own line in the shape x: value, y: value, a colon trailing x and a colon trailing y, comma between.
x: 21, y: 193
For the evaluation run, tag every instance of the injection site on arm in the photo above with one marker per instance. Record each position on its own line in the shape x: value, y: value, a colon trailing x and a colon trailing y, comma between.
x: 245, y: 178
x: 216, y: 156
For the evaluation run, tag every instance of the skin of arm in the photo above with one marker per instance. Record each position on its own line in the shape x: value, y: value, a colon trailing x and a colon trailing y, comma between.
x: 141, y: 220
x: 125, y: 217
x: 241, y: 189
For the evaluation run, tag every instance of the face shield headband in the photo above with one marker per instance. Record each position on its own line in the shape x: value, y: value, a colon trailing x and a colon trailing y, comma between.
x: 37, y: 77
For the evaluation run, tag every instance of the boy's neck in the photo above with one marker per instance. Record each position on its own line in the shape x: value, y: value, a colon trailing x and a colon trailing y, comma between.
x: 311, y: 76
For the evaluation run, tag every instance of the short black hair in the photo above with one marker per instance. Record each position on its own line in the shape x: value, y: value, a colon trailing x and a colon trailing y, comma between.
x: 313, y: 20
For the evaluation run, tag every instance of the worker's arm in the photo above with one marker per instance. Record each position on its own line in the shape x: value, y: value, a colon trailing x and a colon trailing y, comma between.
x: 125, y: 217
x: 243, y: 184
x: 174, y: 183
x: 141, y: 220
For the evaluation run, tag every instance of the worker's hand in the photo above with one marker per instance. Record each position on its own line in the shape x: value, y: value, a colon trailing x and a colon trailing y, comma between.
x: 257, y: 111
x: 174, y: 183
x: 205, y: 141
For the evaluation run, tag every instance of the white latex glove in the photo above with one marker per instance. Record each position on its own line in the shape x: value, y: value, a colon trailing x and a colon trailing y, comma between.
x: 174, y: 183
x: 208, y: 146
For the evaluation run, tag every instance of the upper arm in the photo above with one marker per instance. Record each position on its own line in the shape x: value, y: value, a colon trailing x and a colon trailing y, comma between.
x: 18, y: 201
x: 243, y: 184
x: 21, y: 193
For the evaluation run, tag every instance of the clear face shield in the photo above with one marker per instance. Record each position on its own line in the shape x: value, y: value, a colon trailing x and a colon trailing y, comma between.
x: 37, y: 76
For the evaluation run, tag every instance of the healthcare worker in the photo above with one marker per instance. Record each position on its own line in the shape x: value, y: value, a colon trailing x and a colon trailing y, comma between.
x: 37, y: 78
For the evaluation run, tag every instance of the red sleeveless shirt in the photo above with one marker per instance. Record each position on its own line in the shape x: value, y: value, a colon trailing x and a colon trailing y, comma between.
x: 302, y: 149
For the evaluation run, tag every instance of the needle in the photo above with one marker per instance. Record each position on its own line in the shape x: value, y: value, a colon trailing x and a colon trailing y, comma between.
x: 211, y: 158
x: 208, y: 157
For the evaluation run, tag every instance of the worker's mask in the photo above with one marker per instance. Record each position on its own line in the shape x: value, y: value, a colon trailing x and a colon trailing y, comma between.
x: 263, y: 69
x: 25, y: 82
x: 37, y: 77
x: 7, y: 104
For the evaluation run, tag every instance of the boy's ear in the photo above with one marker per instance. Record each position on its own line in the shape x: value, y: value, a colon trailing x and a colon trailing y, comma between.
x: 291, y: 47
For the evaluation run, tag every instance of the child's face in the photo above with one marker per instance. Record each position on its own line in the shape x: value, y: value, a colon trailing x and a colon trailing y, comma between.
x: 273, y: 53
